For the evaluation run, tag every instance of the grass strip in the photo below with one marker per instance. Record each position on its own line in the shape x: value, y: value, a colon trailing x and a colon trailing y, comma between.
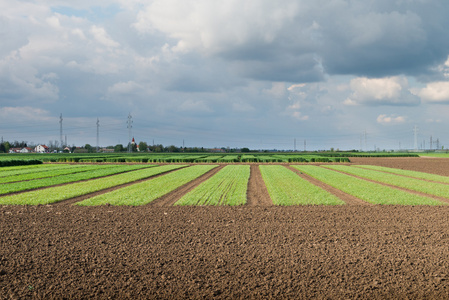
x: 287, y: 188
x: 414, y: 174
x: 227, y: 187
x: 45, y: 182
x: 365, y: 190
x: 147, y: 191
x: 59, y: 193
x: 50, y: 173
x: 431, y: 188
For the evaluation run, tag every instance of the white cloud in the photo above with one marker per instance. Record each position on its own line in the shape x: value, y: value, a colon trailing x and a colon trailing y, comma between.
x: 10, y: 113
x: 435, y: 92
x: 242, y: 107
x: 102, y: 37
x: 194, y: 106
x: 392, y: 119
x: 381, y: 91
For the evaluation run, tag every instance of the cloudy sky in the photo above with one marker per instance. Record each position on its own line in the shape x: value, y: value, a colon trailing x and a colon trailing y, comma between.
x: 257, y: 73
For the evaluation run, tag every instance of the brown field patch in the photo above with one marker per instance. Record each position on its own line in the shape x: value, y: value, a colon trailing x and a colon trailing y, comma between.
x: 255, y: 252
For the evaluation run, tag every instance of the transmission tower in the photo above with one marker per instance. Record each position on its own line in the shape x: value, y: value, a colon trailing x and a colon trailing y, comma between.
x: 98, y: 134
x: 130, y: 126
x: 60, y: 131
x: 415, y: 130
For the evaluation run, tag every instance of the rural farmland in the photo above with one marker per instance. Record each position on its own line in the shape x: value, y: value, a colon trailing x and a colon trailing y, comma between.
x: 257, y: 228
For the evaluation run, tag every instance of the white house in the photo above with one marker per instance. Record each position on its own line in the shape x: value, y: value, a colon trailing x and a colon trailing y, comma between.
x: 41, y: 149
x: 26, y: 150
x: 14, y: 150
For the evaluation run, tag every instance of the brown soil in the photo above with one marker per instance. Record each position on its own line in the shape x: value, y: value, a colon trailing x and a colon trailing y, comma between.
x: 257, y: 193
x: 255, y: 252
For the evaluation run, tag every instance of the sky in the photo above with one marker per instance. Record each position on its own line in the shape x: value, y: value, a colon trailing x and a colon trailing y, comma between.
x: 262, y: 74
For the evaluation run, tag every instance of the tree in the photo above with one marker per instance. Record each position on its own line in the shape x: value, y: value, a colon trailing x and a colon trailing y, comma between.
x: 89, y: 148
x: 119, y: 148
x: 3, y: 148
x: 244, y: 149
x: 172, y: 148
x: 143, y: 147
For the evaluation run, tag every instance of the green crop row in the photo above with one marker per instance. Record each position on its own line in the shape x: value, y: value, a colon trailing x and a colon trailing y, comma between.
x: 44, y: 182
x: 227, y: 187
x: 147, y: 191
x: 415, y: 174
x: 287, y: 188
x: 368, y: 191
x: 46, y: 174
x: 431, y: 188
x: 64, y: 192
x: 229, y: 159
x: 19, y: 170
x: 19, y: 162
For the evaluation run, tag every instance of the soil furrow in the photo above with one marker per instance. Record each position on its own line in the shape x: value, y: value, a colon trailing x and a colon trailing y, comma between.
x: 257, y: 193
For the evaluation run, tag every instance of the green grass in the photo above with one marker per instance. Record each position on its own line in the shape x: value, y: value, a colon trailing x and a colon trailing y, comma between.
x: 64, y: 192
x: 227, y: 187
x: 371, y: 192
x: 431, y: 188
x: 287, y: 188
x: 45, y: 182
x: 147, y: 191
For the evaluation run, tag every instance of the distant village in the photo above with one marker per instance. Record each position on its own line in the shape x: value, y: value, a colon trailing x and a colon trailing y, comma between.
x: 53, y: 147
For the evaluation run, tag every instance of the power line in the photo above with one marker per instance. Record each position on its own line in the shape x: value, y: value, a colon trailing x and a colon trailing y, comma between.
x: 130, y: 126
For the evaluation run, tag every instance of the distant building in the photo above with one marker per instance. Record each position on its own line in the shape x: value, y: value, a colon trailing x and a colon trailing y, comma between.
x: 26, y: 150
x: 41, y: 149
x: 14, y: 150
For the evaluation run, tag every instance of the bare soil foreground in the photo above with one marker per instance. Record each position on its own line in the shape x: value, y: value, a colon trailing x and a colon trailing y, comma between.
x: 248, y: 252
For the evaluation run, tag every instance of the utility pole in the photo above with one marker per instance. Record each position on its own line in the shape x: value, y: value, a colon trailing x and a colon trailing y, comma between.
x: 294, y: 143
x: 366, y: 149
x: 130, y: 126
x: 60, y: 131
x: 98, y: 134
x: 430, y: 142
x: 415, y: 130
x: 304, y: 145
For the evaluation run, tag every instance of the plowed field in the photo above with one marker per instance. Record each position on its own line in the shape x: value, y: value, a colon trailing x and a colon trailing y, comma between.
x: 256, y: 251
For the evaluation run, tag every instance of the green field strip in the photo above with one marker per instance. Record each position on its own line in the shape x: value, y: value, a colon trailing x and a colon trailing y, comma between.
x: 287, y: 188
x: 414, y: 174
x: 64, y: 192
x: 227, y: 187
x: 21, y: 170
x: 150, y: 190
x: 50, y: 173
x: 431, y: 188
x: 45, y: 182
x: 368, y: 191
